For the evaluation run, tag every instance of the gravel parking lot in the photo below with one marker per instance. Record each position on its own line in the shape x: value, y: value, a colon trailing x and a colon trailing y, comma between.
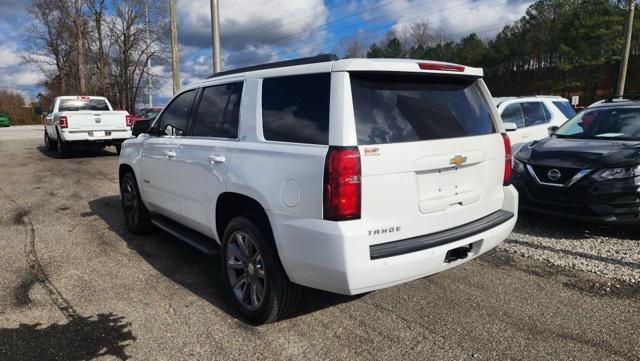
x: 75, y: 285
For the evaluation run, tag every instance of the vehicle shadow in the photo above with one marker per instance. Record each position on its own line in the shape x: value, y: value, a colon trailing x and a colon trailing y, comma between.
x: 200, y: 274
x: 541, y: 225
x: 81, y: 338
x: 81, y: 152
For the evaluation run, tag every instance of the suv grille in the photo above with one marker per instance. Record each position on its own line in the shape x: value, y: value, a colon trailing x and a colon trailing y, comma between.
x: 554, y: 175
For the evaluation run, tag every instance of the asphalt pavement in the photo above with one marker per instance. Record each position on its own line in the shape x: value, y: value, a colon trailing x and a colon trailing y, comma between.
x: 75, y: 285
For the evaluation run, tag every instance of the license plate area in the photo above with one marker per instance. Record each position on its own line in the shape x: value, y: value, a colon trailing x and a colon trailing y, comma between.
x: 99, y: 133
x: 460, y: 253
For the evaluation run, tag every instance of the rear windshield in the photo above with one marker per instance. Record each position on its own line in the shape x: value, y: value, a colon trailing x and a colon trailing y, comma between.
x: 74, y: 105
x: 396, y: 108
x: 565, y: 108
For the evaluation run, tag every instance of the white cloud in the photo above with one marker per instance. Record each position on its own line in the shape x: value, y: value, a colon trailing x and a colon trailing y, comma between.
x: 8, y: 56
x: 26, y: 77
x: 249, y: 25
x: 459, y: 18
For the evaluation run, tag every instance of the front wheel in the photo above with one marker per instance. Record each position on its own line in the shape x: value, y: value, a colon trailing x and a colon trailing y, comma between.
x: 255, y: 278
x: 136, y: 215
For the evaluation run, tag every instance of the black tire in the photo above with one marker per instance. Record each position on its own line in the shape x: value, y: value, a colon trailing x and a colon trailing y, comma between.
x: 118, y: 148
x: 48, y: 143
x: 61, y: 147
x: 136, y: 215
x: 281, y: 297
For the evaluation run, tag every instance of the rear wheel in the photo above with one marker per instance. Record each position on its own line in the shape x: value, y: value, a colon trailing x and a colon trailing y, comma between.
x: 136, y: 215
x: 61, y: 147
x: 255, y: 278
x: 48, y: 143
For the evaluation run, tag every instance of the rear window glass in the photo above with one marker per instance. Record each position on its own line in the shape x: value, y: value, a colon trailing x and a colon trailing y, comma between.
x: 395, y: 108
x: 74, y: 105
x: 565, y: 108
x: 296, y: 108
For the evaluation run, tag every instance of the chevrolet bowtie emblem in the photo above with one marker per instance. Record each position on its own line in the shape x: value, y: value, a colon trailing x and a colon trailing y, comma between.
x: 457, y: 160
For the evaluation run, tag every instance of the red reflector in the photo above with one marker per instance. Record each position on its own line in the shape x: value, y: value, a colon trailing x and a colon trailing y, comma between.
x: 507, y: 159
x: 63, y: 122
x: 441, y: 67
x: 342, y: 183
x: 129, y: 120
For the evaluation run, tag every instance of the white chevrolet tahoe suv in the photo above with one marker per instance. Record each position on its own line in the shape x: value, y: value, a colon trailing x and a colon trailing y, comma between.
x: 342, y: 175
x: 84, y: 121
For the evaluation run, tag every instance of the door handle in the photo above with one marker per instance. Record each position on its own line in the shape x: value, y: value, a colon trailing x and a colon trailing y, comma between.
x: 170, y: 154
x: 217, y: 158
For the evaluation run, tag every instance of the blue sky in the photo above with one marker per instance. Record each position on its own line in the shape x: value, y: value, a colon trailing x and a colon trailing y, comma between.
x: 258, y: 31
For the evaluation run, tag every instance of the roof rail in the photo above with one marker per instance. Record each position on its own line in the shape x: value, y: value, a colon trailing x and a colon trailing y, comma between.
x: 321, y: 58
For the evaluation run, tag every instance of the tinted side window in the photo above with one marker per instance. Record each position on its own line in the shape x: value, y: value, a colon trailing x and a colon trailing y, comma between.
x: 533, y: 113
x: 513, y: 114
x: 565, y: 108
x: 174, y: 119
x: 219, y: 111
x: 296, y: 108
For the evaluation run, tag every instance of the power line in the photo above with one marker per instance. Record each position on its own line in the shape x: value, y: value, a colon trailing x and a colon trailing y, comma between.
x: 386, y: 26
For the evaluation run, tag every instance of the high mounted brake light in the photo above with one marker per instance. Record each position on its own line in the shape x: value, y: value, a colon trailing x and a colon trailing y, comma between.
x: 82, y: 97
x: 63, y: 121
x: 342, y: 184
x: 441, y: 67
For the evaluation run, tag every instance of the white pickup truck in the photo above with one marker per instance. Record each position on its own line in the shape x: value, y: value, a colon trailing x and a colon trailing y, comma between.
x: 84, y: 121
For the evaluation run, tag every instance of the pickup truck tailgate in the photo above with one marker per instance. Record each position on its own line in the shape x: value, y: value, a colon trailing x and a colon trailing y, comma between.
x: 87, y: 120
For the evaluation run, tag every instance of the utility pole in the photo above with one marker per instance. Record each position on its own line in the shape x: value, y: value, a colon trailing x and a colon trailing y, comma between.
x: 149, y: 89
x: 215, y: 35
x: 175, y: 61
x: 624, y: 62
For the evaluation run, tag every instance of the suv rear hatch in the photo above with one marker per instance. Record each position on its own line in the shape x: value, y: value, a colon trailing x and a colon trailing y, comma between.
x: 432, y: 159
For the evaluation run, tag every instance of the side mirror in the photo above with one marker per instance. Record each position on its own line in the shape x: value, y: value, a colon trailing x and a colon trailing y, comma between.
x: 37, y: 110
x: 552, y: 129
x: 140, y: 126
x: 510, y: 127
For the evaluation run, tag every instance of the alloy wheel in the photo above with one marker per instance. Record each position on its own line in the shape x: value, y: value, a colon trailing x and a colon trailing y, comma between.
x: 245, y: 270
x: 130, y: 202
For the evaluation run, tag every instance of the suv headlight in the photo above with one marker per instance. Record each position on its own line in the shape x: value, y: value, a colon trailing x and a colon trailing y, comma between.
x: 617, y: 173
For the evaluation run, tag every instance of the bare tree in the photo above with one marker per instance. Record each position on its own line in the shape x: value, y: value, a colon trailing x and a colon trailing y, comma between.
x: 417, y: 34
x: 97, y: 9
x: 47, y: 42
x: 355, y: 50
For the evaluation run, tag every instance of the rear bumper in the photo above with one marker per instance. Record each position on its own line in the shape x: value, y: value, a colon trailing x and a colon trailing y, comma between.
x: 337, y: 256
x: 109, y: 135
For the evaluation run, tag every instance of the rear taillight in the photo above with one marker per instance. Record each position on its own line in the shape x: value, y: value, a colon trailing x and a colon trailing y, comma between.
x: 507, y: 159
x: 129, y: 120
x: 63, y: 122
x: 342, y: 184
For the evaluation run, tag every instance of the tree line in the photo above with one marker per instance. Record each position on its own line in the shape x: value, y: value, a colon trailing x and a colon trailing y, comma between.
x: 560, y: 47
x: 95, y: 47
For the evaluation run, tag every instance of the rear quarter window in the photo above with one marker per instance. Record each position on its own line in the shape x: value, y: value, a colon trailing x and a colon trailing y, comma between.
x: 565, y: 108
x: 296, y: 108
x: 396, y: 108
